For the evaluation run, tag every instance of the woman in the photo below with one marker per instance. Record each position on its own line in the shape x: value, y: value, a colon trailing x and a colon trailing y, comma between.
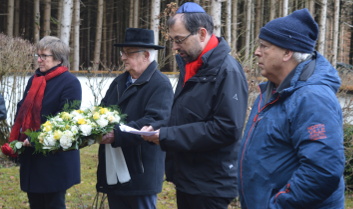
x: 46, y: 178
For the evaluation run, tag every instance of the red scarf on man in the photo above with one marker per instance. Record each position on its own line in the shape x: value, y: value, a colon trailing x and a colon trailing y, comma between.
x: 191, y: 68
x: 29, y: 116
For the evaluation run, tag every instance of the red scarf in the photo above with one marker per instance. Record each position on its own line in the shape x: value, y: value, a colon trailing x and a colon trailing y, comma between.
x: 29, y: 116
x: 191, y: 68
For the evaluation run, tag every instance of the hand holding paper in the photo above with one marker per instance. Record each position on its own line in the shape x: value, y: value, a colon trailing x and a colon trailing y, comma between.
x: 129, y: 129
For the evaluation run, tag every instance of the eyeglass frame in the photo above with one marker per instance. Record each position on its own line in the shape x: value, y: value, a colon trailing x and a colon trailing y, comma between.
x: 180, y: 41
x: 128, y: 54
x: 43, y: 56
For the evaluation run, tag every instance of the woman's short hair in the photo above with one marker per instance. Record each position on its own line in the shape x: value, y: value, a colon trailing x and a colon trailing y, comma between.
x: 58, y: 48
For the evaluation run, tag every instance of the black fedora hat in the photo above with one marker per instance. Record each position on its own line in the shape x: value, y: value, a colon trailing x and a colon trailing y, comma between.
x: 140, y: 38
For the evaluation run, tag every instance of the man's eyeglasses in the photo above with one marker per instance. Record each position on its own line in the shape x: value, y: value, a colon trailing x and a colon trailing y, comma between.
x: 130, y: 53
x: 180, y: 41
x: 42, y: 56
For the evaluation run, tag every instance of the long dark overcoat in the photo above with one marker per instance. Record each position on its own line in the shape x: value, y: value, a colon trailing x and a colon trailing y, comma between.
x: 59, y: 171
x: 148, y: 101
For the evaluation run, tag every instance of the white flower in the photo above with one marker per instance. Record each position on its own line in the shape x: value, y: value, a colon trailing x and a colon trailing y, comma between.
x: 18, y: 145
x: 86, y: 129
x: 74, y: 129
x: 66, y: 141
x: 49, y: 141
x: 102, y: 122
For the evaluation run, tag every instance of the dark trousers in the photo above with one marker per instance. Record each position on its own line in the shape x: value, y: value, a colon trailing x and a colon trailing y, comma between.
x: 189, y: 201
x: 132, y: 202
x: 55, y: 200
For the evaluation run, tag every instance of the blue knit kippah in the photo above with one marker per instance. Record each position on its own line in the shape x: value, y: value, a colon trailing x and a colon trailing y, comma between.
x: 190, y: 7
x: 297, y: 32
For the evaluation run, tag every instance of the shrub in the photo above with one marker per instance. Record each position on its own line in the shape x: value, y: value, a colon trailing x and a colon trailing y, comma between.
x: 348, y: 144
x: 16, y: 60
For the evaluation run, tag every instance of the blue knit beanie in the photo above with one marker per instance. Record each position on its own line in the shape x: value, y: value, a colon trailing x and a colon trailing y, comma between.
x: 190, y: 7
x: 297, y: 32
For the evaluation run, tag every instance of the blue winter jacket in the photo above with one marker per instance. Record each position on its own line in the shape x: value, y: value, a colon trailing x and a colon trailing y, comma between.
x: 292, y: 153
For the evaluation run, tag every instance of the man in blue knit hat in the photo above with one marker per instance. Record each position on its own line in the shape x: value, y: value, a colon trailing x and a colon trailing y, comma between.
x: 292, y: 153
x: 208, y: 113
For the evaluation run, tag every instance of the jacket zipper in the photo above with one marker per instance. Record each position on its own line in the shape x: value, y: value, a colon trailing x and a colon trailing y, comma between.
x: 255, y: 122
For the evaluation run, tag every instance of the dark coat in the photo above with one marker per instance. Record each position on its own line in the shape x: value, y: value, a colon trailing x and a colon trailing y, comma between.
x: 292, y: 153
x: 3, y: 112
x: 206, y: 125
x: 59, y: 171
x: 146, y: 102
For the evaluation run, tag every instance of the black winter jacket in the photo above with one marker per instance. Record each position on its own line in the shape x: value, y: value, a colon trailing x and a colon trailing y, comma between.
x: 205, y: 127
x: 148, y: 101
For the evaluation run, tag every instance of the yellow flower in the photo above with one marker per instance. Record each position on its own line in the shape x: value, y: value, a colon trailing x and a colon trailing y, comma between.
x: 57, y: 134
x: 41, y: 137
x: 79, y: 111
x: 96, y: 116
x: 81, y: 121
x: 65, y: 116
x: 103, y: 110
x: 47, y: 126
x: 110, y: 118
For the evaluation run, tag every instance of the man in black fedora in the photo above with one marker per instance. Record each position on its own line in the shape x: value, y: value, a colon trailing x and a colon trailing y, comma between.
x: 131, y: 170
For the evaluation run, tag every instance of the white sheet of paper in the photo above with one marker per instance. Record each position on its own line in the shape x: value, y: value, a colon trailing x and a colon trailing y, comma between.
x: 129, y: 129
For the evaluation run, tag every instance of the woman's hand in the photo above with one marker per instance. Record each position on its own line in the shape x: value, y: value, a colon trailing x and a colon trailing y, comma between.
x: 26, y: 143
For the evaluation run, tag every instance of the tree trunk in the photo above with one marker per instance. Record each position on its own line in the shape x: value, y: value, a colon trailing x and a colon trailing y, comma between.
x: 98, y: 40
x: 104, y: 37
x: 66, y: 21
x: 131, y: 14
x: 228, y: 25
x: 17, y: 19
x: 36, y: 21
x: 46, y: 18
x: 259, y: 18
x: 311, y: 6
x: 234, y: 33
x: 248, y: 30
x: 273, y: 9
x: 110, y: 55
x: 136, y: 14
x: 156, y: 8
x: 336, y: 32
x: 322, y: 25
x: 59, y: 14
x: 216, y: 11
x: 76, y: 36
x: 10, y: 17
x: 285, y: 8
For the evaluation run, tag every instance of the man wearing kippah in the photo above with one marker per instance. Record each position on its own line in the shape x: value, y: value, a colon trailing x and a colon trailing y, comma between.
x: 292, y: 153
x: 208, y: 113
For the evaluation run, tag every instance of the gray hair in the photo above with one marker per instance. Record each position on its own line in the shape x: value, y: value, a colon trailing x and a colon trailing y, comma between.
x: 152, y: 52
x: 300, y: 56
x: 58, y: 48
